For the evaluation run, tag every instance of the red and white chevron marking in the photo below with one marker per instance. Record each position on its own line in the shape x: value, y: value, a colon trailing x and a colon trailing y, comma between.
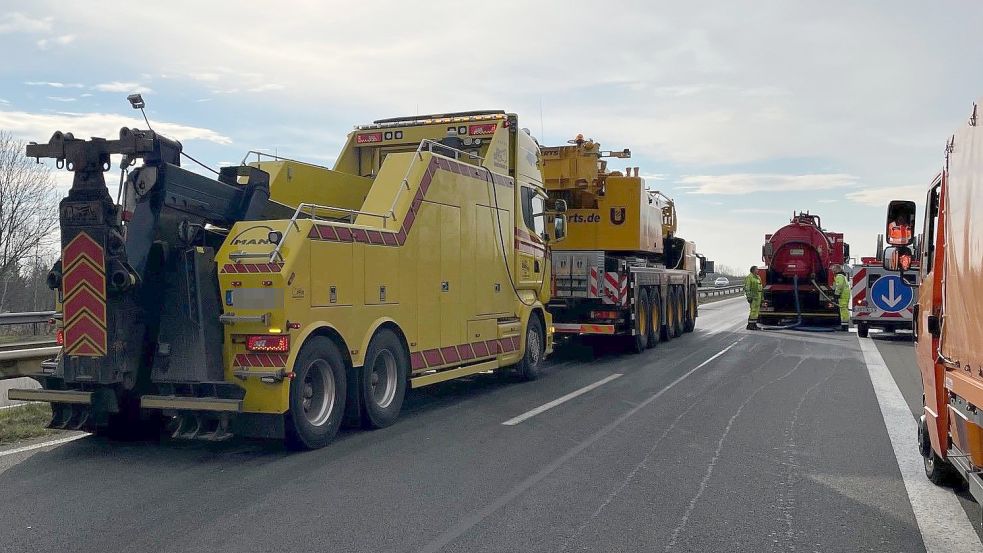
x: 84, y: 306
x: 615, y: 290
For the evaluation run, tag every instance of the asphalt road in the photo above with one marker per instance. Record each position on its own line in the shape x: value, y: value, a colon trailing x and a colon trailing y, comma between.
x: 722, y: 440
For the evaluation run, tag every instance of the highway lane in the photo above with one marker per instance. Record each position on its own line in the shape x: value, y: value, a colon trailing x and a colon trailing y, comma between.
x: 722, y: 440
x: 897, y: 351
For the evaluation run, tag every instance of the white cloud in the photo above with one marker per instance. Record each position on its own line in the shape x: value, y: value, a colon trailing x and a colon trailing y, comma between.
x: 827, y: 201
x: 44, y: 43
x: 743, y: 183
x: 38, y: 127
x: 760, y: 211
x: 121, y: 87
x: 266, y: 87
x: 879, y: 197
x: 17, y: 22
x: 61, y: 98
x: 54, y: 84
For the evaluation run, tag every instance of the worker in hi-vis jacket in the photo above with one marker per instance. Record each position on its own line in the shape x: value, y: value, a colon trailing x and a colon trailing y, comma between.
x: 753, y: 292
x: 841, y: 289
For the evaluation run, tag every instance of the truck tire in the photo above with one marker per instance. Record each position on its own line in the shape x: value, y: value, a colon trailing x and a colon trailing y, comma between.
x: 317, y: 395
x: 668, y: 328
x: 531, y: 366
x: 383, y: 379
x: 863, y: 329
x: 939, y: 471
x: 690, y: 323
x: 643, y: 307
x: 655, y: 317
x: 677, y: 321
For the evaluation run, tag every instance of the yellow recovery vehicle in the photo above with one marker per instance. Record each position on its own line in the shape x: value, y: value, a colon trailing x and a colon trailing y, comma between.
x: 621, y: 270
x: 285, y: 297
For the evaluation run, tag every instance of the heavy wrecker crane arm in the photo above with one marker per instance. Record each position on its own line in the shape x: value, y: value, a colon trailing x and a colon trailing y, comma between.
x: 136, y: 280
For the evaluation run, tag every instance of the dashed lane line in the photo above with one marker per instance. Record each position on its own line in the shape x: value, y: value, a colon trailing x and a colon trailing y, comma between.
x: 547, y: 406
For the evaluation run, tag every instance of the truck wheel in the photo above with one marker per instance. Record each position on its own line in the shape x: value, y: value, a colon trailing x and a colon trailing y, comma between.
x: 383, y: 379
x: 639, y: 342
x: 655, y: 317
x: 681, y: 322
x: 690, y: 323
x: 668, y: 328
x: 530, y: 368
x: 863, y: 329
x: 317, y: 395
x: 676, y: 322
x: 939, y: 471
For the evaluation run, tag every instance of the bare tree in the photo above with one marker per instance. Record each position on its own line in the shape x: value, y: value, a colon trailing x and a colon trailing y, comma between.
x: 28, y: 210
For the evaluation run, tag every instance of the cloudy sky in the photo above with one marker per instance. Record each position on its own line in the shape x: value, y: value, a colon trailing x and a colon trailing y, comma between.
x: 743, y: 111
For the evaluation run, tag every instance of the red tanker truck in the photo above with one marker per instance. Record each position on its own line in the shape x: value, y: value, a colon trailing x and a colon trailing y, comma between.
x: 948, y: 314
x: 800, y: 261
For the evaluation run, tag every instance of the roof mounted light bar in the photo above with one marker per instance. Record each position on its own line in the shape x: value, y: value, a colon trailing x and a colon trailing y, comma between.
x: 456, y: 117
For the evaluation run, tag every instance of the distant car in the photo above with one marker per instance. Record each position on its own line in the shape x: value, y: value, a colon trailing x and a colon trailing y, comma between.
x: 721, y: 281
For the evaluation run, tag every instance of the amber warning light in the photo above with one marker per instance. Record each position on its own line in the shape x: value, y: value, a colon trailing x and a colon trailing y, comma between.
x: 268, y: 343
x: 479, y: 130
x: 368, y: 138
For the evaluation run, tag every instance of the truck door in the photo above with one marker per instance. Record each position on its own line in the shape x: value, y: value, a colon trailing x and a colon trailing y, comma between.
x: 452, y: 318
x: 529, y: 239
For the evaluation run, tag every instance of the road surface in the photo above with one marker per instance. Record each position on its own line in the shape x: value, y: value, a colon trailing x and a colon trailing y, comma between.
x: 722, y: 440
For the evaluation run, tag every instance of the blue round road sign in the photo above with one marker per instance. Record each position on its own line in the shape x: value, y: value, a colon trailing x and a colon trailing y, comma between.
x: 890, y: 293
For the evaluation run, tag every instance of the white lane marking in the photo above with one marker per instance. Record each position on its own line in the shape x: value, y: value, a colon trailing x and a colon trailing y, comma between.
x: 470, y: 521
x: 18, y: 405
x: 941, y: 519
x: 51, y: 443
x: 547, y: 406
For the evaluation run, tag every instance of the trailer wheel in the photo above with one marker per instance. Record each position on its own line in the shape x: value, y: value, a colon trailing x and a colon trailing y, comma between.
x: 668, y: 327
x: 655, y: 317
x: 383, y: 379
x: 863, y: 329
x: 690, y: 323
x: 530, y: 368
x: 317, y: 395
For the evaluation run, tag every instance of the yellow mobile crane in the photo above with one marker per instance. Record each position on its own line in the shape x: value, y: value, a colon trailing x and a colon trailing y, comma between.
x: 283, y: 296
x: 621, y: 271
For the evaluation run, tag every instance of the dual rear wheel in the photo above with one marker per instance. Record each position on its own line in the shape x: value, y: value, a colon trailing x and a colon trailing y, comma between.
x: 320, y: 390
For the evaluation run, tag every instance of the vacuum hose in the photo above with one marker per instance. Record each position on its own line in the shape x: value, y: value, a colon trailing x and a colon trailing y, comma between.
x: 797, y: 325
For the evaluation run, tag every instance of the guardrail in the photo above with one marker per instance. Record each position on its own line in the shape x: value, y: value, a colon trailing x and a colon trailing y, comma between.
x: 30, y: 317
x: 713, y: 291
x: 24, y: 358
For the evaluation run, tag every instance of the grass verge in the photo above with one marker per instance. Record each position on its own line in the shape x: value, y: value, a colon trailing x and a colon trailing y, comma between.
x: 23, y: 422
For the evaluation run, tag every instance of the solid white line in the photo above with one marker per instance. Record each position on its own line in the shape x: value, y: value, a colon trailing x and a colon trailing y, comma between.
x: 19, y: 405
x: 557, y: 401
x: 941, y: 519
x: 51, y: 443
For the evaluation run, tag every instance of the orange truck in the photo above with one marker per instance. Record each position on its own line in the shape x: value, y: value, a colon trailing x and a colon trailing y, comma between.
x: 948, y: 315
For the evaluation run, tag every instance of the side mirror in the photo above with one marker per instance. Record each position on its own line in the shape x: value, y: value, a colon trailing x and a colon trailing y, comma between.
x: 559, y: 226
x: 898, y: 258
x: 900, y: 223
x: 558, y: 206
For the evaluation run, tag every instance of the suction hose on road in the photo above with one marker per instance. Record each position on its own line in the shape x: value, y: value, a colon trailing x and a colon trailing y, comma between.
x: 797, y: 325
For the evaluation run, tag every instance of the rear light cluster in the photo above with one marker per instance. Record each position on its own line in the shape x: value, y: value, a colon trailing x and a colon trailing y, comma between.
x: 604, y: 315
x: 268, y: 343
x: 60, y: 337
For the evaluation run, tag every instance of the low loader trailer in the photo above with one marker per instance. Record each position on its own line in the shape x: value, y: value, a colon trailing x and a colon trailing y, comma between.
x: 621, y: 272
x: 281, y: 298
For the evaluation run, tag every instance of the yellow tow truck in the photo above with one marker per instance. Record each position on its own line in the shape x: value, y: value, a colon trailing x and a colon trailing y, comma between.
x: 285, y: 297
